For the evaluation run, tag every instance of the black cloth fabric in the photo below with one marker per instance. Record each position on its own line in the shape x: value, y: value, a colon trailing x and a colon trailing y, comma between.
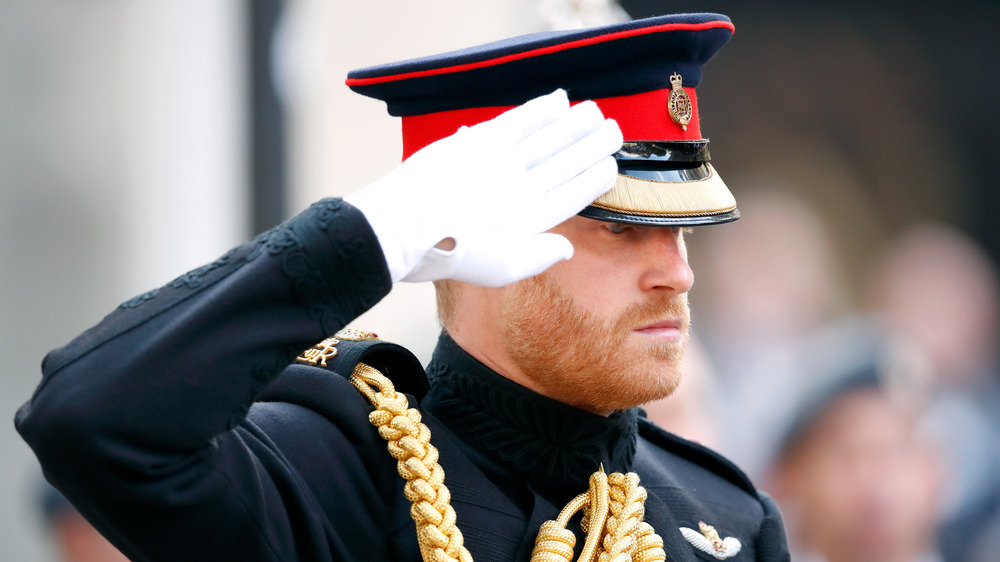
x: 183, y: 428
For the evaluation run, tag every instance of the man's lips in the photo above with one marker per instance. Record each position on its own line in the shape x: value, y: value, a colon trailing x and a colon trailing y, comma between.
x: 670, y: 328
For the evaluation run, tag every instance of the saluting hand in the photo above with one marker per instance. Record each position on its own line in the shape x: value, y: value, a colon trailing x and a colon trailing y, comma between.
x: 475, y: 206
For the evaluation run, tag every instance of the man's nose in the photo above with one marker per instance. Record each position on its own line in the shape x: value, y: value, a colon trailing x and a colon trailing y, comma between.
x: 666, y: 264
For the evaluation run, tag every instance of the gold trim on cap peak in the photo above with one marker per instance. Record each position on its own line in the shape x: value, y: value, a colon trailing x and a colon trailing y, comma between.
x: 708, y: 196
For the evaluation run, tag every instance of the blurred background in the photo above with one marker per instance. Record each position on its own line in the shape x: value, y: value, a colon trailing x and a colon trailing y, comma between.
x: 845, y: 349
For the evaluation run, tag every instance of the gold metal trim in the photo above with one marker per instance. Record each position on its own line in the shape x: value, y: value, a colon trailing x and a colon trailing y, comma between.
x: 679, y: 103
x: 319, y: 353
x: 643, y: 197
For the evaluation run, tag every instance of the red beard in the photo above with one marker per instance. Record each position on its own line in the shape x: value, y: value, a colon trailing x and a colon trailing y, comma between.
x: 573, y: 355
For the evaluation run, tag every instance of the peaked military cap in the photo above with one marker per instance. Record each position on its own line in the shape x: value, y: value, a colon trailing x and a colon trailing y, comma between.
x: 641, y: 73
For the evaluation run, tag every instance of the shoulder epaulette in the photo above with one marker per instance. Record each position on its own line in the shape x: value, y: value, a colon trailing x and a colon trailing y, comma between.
x: 348, y: 347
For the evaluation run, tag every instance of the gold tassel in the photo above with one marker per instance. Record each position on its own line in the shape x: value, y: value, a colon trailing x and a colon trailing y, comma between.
x: 613, y: 512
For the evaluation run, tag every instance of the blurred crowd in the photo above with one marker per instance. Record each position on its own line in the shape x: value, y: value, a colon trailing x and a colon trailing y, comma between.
x: 874, y: 420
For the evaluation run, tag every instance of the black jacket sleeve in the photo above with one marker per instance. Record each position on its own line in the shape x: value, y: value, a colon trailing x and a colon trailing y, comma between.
x: 141, y: 420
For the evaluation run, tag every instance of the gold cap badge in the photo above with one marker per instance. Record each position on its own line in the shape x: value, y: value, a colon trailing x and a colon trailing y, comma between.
x: 679, y: 104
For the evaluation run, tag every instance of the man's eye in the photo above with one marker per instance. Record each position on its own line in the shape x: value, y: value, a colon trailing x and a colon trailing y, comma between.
x: 616, y: 228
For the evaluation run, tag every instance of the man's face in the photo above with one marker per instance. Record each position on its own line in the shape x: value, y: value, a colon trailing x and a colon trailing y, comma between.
x: 863, y: 483
x: 605, y: 330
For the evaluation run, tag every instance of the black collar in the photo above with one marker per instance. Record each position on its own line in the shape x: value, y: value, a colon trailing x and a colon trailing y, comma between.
x: 555, y: 446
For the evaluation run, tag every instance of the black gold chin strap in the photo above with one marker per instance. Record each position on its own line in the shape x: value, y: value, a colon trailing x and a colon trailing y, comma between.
x: 613, y: 507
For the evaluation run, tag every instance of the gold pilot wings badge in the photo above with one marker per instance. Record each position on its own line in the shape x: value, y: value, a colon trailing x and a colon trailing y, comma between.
x: 709, y: 541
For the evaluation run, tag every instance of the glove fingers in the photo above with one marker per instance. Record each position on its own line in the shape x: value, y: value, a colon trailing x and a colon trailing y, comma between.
x: 504, y: 262
x: 515, y: 124
x: 578, y: 158
x: 559, y: 204
x: 580, y: 121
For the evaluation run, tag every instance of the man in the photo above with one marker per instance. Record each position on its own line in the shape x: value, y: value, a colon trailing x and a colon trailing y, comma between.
x: 196, y: 422
x: 862, y: 474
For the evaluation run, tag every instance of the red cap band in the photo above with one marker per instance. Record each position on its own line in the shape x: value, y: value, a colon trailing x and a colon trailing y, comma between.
x: 641, y: 117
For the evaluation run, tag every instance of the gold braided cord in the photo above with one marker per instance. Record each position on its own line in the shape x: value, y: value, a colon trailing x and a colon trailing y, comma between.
x: 613, y: 507
x: 613, y: 511
x: 408, y: 441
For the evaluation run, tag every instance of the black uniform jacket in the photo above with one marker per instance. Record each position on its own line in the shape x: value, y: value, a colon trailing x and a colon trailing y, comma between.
x: 183, y: 427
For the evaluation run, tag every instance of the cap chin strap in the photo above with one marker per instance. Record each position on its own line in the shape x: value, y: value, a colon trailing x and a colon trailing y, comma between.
x: 613, y: 507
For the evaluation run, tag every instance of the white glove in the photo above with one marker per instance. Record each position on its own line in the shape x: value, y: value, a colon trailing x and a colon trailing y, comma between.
x: 489, y: 192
